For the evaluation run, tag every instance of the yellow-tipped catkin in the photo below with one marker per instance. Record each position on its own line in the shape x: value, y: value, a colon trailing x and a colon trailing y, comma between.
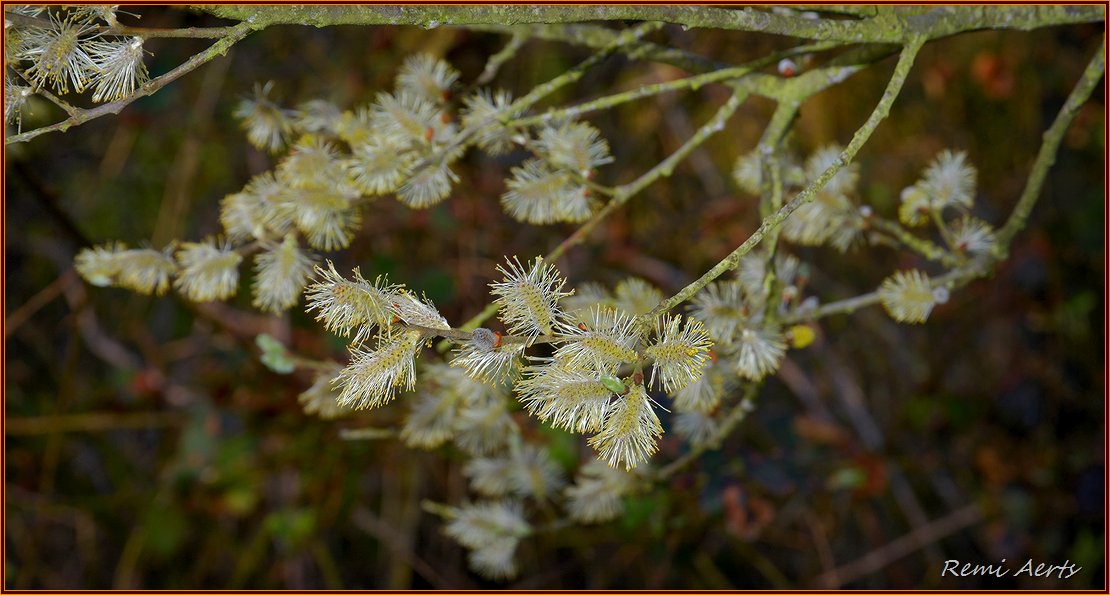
x: 907, y: 296
x: 602, y: 344
x: 374, y: 376
x: 569, y: 399
x: 281, y: 273
x: 529, y: 298
x: 679, y: 352
x: 630, y: 432
x: 344, y: 306
x: 208, y: 271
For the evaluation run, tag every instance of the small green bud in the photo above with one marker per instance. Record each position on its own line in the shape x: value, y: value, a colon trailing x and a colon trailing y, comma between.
x: 614, y: 385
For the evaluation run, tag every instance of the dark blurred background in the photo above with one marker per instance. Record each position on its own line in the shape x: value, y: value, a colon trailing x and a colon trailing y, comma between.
x: 146, y: 446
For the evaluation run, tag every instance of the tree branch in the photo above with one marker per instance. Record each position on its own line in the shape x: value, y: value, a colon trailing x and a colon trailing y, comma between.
x: 895, y: 26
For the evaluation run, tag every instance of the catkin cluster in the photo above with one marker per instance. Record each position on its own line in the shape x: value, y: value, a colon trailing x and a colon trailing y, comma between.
x: 942, y: 198
x: 64, y: 50
x: 594, y: 361
x: 593, y: 380
x: 403, y: 143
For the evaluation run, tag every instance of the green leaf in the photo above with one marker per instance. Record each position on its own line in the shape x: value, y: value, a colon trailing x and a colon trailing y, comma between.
x: 268, y: 343
x: 166, y: 528
x: 274, y: 354
x: 294, y: 526
x: 847, y: 478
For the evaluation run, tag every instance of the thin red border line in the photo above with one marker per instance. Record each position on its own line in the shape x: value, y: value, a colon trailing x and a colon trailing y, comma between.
x: 1105, y: 329
x: 616, y: 2
x: 1106, y: 315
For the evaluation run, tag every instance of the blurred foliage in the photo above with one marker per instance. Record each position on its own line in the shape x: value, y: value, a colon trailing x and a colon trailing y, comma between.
x: 148, y: 447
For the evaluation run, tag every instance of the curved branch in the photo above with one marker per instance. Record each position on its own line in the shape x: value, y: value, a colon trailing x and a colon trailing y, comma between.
x: 1046, y: 156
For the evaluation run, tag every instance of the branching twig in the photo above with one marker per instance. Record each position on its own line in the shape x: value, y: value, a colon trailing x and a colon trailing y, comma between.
x: 692, y: 83
x: 901, y: 70
x: 921, y: 246
x: 973, y: 269
x: 539, y: 92
x: 901, y: 547
x: 954, y: 278
x: 238, y: 32
x: 495, y: 61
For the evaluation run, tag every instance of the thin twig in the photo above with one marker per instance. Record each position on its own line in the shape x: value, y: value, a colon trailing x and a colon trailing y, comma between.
x: 597, y: 37
x: 92, y: 422
x: 539, y: 92
x: 368, y: 522
x: 691, y: 82
x: 845, y: 306
x: 771, y: 195
x: 900, y: 548
x: 952, y: 279
x: 23, y: 313
x: 497, y: 60
x: 66, y: 107
x: 187, y: 32
x: 49, y: 199
x: 465, y: 334
x: 729, y: 422
x: 921, y: 246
